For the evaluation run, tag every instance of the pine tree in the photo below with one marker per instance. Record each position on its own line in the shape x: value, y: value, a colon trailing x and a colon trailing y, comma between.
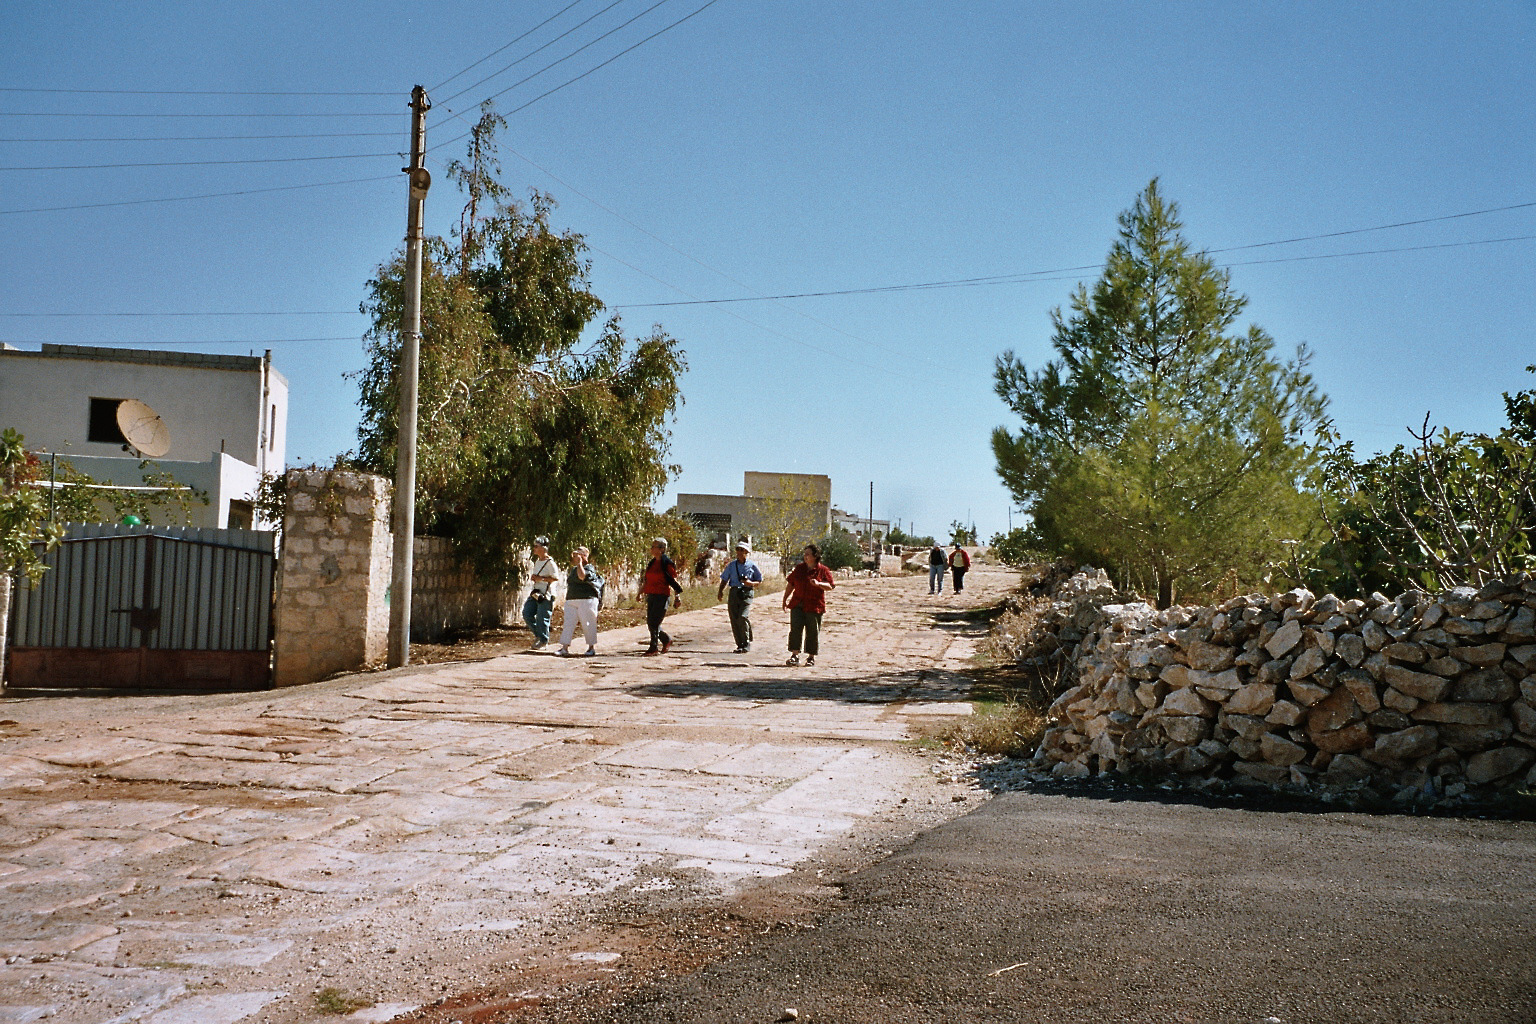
x: 1156, y: 441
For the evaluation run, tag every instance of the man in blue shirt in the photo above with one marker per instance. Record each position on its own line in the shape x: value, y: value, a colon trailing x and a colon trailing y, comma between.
x: 742, y: 575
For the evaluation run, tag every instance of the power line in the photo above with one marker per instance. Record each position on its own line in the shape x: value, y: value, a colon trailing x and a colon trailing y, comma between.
x: 220, y: 341
x: 205, y: 195
x: 553, y: 63
x: 185, y: 92
x: 499, y: 49
x: 213, y: 138
x: 203, y: 163
x: 257, y: 312
x: 282, y: 113
x: 530, y: 53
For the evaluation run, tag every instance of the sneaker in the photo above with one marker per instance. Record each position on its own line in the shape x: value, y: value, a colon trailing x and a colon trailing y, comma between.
x: 810, y: 660
x: 564, y: 652
x: 650, y: 653
x: 666, y: 645
x: 539, y: 645
x: 794, y: 659
x: 591, y: 653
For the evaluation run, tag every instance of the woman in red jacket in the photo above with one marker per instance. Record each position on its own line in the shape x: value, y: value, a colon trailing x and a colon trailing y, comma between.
x: 805, y: 595
x: 658, y: 583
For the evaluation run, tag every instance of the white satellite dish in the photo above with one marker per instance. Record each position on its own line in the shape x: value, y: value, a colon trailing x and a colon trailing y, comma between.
x: 143, y: 429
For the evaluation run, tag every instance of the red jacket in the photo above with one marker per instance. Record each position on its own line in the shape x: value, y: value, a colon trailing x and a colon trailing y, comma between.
x: 802, y: 594
x: 660, y: 577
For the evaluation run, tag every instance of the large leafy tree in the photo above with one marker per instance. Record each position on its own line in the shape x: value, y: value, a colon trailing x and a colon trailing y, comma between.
x: 534, y: 416
x: 1160, y: 440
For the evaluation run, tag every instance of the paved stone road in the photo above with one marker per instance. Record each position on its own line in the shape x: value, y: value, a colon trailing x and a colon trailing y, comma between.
x: 217, y: 858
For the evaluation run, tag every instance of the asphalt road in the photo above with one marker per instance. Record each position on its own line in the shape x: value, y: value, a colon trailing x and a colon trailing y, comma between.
x: 1067, y: 909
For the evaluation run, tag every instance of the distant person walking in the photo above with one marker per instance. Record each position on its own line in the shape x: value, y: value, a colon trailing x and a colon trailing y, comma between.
x: 742, y: 575
x: 583, y: 591
x: 936, y: 564
x: 959, y: 562
x: 805, y: 595
x: 658, y: 583
x: 540, y: 605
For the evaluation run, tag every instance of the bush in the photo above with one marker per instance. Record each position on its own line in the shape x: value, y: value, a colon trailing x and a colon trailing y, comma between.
x: 1017, y: 548
x: 840, y: 550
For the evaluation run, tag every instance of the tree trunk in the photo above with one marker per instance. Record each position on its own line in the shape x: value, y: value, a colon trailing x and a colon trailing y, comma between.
x: 1164, y: 591
x: 5, y: 618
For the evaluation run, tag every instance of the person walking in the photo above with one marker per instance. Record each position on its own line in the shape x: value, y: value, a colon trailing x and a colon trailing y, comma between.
x: 936, y: 564
x: 959, y: 562
x: 805, y: 595
x: 583, y: 591
x: 659, y: 581
x: 742, y: 575
x: 540, y: 605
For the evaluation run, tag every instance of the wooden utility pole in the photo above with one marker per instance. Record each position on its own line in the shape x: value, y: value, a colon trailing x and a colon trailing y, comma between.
x: 404, y: 525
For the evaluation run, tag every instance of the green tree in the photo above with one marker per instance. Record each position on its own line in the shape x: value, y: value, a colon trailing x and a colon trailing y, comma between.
x: 840, y: 550
x: 961, y: 534
x: 786, y: 518
x: 534, y: 418
x: 1016, y: 548
x: 1159, y: 441
x: 25, y: 526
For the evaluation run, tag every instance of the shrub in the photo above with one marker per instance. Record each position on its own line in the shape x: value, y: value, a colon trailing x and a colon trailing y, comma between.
x: 839, y: 550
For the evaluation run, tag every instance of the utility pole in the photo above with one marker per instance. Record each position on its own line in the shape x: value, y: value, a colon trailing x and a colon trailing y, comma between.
x: 872, y: 519
x: 419, y: 180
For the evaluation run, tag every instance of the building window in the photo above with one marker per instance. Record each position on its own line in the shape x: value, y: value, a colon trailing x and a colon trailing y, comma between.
x: 272, y: 432
x: 103, y: 426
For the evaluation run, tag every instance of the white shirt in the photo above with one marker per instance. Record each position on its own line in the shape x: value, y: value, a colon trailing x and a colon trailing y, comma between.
x: 546, y: 567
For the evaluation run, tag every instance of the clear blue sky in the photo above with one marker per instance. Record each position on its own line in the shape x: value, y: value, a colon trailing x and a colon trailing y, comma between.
x: 803, y: 146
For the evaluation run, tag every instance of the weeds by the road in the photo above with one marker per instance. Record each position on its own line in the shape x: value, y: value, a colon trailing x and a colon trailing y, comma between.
x: 335, y: 1001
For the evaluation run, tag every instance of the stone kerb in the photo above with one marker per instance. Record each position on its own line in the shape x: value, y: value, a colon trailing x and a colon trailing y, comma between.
x: 332, y: 606
x: 1418, y: 699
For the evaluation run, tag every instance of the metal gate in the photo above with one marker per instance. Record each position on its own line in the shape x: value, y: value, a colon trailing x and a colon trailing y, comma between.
x: 148, y: 607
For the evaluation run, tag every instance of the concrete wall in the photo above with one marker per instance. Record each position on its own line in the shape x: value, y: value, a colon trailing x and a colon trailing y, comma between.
x: 771, y: 485
x: 332, y: 599
x: 209, y: 402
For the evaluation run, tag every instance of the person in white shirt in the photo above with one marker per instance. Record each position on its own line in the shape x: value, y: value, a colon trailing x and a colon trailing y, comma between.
x: 540, y: 605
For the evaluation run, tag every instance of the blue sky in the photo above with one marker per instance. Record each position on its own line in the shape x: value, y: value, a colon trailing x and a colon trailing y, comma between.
x: 796, y: 146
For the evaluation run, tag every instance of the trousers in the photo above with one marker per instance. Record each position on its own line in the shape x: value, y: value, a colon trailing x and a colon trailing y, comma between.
x: 537, y: 614
x: 959, y: 578
x: 579, y: 611
x: 738, y: 604
x: 808, y: 624
x: 935, y: 579
x: 655, y: 611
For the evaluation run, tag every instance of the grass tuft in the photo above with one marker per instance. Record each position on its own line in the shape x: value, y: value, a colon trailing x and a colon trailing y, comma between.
x: 336, y: 1002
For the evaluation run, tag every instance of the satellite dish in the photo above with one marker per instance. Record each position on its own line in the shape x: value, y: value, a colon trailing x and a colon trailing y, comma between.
x: 143, y: 429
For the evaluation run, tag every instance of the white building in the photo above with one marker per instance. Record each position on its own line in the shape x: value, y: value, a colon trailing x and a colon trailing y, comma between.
x: 226, y: 417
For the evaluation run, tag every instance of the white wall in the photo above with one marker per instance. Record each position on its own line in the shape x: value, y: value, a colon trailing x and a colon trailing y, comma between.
x: 222, y: 478
x: 215, y: 406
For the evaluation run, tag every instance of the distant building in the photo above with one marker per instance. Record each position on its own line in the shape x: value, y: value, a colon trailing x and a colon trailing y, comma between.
x: 225, y: 417
x: 726, y: 517
x: 859, y: 524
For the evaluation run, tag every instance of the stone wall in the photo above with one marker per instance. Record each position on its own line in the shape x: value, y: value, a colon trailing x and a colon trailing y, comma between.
x: 1421, y: 698
x: 332, y: 608
x: 445, y: 595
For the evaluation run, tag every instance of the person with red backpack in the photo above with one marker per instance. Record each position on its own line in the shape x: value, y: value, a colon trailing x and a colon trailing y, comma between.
x: 959, y: 562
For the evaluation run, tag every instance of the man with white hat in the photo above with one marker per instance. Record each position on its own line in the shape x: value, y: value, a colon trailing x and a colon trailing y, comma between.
x: 742, y: 575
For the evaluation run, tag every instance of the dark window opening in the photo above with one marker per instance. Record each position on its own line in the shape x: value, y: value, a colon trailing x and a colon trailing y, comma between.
x: 103, y: 425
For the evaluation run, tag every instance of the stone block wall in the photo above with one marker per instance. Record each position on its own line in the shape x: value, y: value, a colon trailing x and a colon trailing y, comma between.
x: 332, y: 599
x: 445, y: 595
x: 1421, y: 698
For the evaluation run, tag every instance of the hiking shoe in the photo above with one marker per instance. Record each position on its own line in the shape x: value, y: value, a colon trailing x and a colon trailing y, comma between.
x: 564, y: 652
x: 650, y: 653
x: 794, y: 659
x: 591, y: 653
x: 539, y: 645
x: 810, y: 660
x: 666, y: 645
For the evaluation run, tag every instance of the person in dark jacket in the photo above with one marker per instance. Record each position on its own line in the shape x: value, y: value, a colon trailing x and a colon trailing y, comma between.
x: 659, y: 582
x: 805, y: 595
x: 936, y: 565
x: 583, y: 588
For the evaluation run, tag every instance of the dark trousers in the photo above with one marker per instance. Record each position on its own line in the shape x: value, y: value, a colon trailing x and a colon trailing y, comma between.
x: 807, y: 623
x: 738, y: 604
x: 655, y: 611
x: 959, y: 575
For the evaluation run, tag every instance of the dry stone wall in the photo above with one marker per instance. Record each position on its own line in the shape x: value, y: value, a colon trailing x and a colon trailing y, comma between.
x: 1421, y: 698
x: 446, y: 595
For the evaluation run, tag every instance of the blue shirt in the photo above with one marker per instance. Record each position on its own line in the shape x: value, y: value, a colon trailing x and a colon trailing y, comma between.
x: 735, y: 572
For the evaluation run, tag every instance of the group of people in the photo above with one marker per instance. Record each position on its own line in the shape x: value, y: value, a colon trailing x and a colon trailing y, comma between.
x: 805, y: 597
x: 957, y: 562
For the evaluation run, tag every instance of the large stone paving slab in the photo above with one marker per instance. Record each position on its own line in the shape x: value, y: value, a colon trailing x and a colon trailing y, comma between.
x: 216, y: 859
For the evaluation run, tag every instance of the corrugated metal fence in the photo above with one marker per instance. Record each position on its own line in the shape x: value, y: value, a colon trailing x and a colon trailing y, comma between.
x: 139, y: 606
